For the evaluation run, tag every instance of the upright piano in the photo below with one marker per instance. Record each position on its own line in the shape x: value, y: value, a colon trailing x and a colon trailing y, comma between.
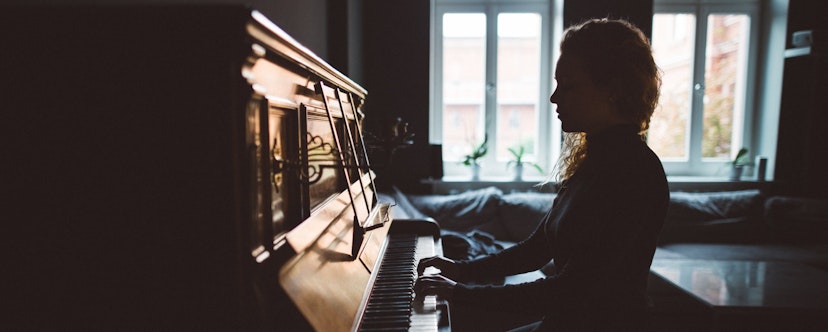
x: 194, y: 168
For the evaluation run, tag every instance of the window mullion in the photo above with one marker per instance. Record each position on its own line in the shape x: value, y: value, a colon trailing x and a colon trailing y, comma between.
x: 490, y: 124
x: 547, y: 144
x: 435, y: 113
x: 697, y: 108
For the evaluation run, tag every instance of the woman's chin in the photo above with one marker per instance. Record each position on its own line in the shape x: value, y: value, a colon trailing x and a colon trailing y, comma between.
x: 570, y: 129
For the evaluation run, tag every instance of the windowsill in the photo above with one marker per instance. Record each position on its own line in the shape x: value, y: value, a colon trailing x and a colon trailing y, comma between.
x: 457, y: 184
x: 714, y: 183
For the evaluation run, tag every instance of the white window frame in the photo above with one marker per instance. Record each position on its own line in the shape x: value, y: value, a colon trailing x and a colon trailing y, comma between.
x: 548, y: 144
x: 695, y: 165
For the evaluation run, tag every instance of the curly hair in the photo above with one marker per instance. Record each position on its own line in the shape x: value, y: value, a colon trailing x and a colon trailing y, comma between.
x: 618, y: 58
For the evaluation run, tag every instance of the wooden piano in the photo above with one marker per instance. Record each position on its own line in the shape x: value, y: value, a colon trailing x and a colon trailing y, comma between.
x: 195, y: 168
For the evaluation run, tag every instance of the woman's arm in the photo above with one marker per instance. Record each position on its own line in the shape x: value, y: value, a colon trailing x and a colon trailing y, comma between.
x: 528, y: 255
x: 611, y: 231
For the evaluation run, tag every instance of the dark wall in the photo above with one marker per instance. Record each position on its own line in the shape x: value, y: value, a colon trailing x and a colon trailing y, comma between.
x: 806, y: 15
x: 800, y: 168
x: 306, y: 20
x: 396, y: 75
x: 332, y: 29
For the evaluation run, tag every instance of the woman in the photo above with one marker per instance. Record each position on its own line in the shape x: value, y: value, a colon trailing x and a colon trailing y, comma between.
x: 600, y: 233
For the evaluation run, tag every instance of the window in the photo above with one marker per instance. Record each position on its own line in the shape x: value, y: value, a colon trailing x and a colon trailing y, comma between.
x: 706, y: 51
x: 490, y: 78
x: 491, y: 65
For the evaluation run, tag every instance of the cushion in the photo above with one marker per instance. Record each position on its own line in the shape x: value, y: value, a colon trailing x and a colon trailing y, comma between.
x: 495, y: 228
x: 688, y: 207
x: 520, y: 213
x: 797, y: 219
x: 726, y: 216
x: 462, y: 212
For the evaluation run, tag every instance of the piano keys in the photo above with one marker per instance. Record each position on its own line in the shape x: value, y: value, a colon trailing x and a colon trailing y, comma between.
x: 390, y: 304
x: 335, y: 292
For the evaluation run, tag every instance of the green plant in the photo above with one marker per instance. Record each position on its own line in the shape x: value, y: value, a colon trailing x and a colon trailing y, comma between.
x: 742, y: 158
x: 477, y: 152
x: 518, y: 153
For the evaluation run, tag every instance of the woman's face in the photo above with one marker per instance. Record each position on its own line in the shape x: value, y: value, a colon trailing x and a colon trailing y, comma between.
x: 581, y: 105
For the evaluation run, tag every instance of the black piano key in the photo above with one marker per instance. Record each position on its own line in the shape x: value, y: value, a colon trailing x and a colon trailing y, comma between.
x: 388, y: 301
x: 385, y: 309
x: 385, y: 321
x: 388, y: 312
x: 394, y: 286
x: 385, y: 329
x: 389, y: 323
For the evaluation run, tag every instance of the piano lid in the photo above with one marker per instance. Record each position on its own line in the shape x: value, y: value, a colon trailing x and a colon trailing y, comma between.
x: 282, y: 43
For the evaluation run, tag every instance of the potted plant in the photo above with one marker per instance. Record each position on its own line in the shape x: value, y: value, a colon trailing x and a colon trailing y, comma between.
x: 518, y: 152
x: 739, y: 163
x: 477, y: 152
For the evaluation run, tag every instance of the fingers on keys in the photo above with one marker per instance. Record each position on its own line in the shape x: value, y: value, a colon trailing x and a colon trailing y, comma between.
x: 433, y: 285
x: 428, y: 265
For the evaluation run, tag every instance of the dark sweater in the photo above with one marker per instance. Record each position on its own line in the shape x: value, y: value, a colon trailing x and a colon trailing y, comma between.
x: 601, y: 234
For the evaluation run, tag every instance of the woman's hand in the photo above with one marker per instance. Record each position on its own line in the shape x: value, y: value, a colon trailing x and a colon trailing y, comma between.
x: 446, y: 266
x: 434, y: 285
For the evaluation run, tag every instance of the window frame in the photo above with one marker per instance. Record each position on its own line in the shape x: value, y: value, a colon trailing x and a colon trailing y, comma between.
x: 548, y: 127
x: 696, y: 165
x: 549, y: 133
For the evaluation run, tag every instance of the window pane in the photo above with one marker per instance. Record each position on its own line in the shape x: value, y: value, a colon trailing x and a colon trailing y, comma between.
x: 673, y: 47
x: 518, y: 82
x: 726, y: 57
x: 464, y: 70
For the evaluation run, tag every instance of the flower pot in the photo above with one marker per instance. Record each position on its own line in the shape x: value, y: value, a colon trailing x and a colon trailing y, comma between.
x: 518, y: 172
x: 475, y: 170
x: 736, y: 173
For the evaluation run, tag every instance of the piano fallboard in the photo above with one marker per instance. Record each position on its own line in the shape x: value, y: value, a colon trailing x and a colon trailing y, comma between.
x: 332, y: 289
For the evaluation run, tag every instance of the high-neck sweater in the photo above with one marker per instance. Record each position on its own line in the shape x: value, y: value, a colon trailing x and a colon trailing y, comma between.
x: 600, y: 234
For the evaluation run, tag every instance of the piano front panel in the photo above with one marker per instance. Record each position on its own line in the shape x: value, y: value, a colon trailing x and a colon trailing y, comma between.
x: 298, y: 129
x: 260, y: 231
x: 284, y: 186
x: 322, y: 155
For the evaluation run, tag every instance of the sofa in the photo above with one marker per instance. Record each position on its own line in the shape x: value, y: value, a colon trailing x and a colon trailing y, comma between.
x: 724, y: 225
x: 728, y: 225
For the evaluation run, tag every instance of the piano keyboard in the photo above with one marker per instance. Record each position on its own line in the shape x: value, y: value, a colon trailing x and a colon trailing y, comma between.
x: 391, y: 305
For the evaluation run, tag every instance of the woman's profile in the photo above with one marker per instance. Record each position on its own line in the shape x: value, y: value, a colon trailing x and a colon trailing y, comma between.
x: 600, y: 233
